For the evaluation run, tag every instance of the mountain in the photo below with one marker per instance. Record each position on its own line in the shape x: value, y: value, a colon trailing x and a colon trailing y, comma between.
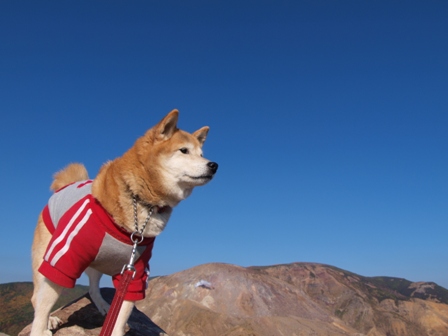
x: 292, y: 299
x: 16, y: 310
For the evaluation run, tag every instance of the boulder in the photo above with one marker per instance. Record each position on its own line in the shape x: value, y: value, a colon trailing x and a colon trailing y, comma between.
x: 81, y: 317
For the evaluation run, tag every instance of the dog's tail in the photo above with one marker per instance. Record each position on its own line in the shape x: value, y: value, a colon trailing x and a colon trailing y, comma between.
x: 72, y: 173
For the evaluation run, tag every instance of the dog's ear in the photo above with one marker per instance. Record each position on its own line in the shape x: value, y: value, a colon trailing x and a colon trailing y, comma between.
x: 201, y: 134
x: 167, y: 126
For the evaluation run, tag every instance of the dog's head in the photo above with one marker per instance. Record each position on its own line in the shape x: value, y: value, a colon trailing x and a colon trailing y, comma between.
x: 180, y: 157
x: 170, y: 166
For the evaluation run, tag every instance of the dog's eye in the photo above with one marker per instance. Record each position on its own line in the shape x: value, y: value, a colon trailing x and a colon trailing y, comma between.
x: 184, y: 150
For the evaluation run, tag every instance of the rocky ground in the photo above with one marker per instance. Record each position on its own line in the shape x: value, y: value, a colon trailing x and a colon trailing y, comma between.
x: 82, y: 318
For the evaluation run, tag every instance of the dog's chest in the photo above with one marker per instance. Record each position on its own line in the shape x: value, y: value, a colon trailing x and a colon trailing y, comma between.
x: 113, y: 255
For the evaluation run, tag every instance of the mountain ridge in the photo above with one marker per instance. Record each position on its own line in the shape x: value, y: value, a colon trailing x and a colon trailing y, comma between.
x: 393, y: 287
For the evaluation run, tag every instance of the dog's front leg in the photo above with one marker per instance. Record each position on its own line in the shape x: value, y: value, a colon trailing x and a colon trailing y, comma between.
x: 44, y: 298
x: 123, y: 316
x: 94, y: 290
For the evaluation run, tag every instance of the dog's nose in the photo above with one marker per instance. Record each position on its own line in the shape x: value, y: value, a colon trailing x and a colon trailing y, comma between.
x: 213, y: 166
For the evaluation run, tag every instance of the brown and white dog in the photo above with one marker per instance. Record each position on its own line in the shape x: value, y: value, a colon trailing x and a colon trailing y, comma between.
x: 87, y: 224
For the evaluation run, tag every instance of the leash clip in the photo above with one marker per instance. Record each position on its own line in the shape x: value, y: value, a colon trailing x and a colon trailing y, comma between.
x: 136, y: 237
x: 130, y: 266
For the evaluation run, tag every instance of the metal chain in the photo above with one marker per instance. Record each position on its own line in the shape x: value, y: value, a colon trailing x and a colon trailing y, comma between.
x: 127, y: 277
x: 137, y: 231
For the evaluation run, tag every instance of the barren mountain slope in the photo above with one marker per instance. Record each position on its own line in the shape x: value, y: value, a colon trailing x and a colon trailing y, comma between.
x: 370, y: 305
x: 293, y: 299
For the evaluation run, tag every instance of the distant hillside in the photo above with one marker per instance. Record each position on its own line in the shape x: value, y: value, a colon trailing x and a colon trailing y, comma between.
x: 16, y: 310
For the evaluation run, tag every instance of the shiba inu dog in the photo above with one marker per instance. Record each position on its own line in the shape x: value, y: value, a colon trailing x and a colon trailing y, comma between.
x: 87, y: 224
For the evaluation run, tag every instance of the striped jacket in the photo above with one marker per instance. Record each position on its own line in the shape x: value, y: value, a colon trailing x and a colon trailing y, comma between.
x: 85, y: 235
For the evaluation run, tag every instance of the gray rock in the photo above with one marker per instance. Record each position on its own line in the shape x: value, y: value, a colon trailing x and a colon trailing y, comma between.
x: 81, y: 317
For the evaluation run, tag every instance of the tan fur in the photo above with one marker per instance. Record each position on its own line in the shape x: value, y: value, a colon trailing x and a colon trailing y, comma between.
x: 127, y: 175
x: 72, y: 173
x: 161, y: 169
x: 41, y: 239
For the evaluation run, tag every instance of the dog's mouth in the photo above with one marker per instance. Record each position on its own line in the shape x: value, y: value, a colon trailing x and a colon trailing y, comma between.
x: 164, y: 209
x: 202, y: 177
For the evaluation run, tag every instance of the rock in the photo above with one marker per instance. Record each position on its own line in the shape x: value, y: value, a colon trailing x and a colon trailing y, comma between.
x: 82, y: 318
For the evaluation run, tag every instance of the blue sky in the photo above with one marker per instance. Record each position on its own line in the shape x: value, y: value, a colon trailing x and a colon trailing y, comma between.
x: 328, y: 120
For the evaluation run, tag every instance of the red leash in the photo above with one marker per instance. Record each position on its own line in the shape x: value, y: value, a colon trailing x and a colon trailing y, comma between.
x: 127, y: 274
x: 117, y: 302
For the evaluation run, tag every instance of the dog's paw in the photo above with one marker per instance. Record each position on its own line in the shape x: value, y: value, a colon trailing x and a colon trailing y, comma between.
x: 102, y: 306
x: 53, y: 323
x: 99, y: 302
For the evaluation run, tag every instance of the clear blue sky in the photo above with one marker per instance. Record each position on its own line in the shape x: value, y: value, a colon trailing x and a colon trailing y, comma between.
x: 329, y: 120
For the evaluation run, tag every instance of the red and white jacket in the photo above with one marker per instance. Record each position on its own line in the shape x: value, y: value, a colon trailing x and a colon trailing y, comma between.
x: 84, y: 235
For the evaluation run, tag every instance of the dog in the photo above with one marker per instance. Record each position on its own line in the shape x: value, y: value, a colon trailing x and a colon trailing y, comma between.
x: 87, y: 224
